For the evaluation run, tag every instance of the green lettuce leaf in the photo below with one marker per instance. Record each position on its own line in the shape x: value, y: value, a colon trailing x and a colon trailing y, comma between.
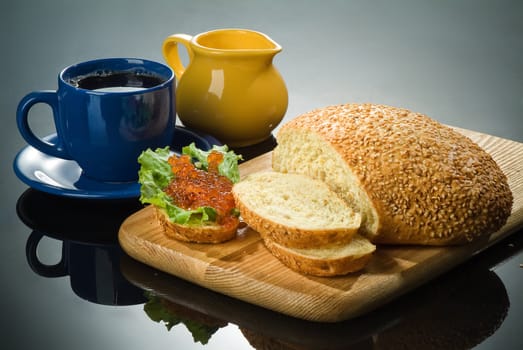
x: 154, y: 175
x: 228, y: 167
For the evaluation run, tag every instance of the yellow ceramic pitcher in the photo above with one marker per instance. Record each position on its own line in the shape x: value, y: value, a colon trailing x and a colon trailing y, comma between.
x: 230, y: 87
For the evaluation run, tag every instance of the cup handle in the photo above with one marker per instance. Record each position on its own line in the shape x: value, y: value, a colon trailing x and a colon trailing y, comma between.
x: 57, y: 270
x: 172, y: 55
x: 22, y: 112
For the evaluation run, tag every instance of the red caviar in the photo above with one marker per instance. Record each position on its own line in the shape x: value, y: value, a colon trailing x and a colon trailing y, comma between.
x: 192, y: 188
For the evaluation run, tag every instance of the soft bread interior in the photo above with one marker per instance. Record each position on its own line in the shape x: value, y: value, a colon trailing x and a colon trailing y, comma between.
x: 296, y: 201
x: 316, y: 158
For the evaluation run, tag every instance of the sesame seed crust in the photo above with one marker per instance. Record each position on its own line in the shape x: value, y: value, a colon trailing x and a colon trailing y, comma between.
x: 426, y: 183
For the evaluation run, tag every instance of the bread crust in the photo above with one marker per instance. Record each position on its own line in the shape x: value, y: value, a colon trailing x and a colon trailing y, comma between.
x: 323, y: 267
x: 193, y: 233
x: 425, y: 182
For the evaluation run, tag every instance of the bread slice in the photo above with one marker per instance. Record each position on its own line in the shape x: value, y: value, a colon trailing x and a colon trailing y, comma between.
x: 412, y: 179
x: 303, y: 223
x: 211, y: 233
x: 325, y: 261
x: 294, y: 210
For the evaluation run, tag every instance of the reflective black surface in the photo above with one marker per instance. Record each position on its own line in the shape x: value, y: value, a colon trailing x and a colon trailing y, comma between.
x: 459, y: 310
x: 66, y: 284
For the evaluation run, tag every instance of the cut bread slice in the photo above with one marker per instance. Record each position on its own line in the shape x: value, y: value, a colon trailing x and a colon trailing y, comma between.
x: 295, y: 210
x: 325, y: 261
x: 211, y: 233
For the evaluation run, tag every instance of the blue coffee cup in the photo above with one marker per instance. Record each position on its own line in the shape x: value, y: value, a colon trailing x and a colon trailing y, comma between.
x: 106, y: 112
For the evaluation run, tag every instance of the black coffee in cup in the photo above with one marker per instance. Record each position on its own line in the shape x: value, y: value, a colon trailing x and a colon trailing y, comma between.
x: 116, y: 81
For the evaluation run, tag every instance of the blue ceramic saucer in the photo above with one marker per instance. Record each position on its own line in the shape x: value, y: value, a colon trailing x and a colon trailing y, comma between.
x: 64, y: 177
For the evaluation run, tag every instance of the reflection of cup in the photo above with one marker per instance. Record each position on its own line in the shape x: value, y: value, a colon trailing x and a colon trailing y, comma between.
x: 106, y: 112
x: 94, y: 271
x: 87, y: 231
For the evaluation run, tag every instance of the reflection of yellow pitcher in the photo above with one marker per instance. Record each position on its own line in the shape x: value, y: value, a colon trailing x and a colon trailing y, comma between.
x: 230, y: 88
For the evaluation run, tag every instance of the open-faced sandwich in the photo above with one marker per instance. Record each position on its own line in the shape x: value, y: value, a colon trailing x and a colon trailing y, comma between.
x: 191, y: 192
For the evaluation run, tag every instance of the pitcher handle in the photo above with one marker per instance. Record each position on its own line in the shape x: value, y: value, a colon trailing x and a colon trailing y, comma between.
x: 172, y: 55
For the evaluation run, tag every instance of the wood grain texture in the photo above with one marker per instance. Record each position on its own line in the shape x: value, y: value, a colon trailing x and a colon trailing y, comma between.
x: 244, y: 269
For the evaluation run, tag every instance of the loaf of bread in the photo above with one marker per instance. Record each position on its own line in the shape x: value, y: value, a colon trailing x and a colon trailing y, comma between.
x: 303, y: 223
x: 412, y: 179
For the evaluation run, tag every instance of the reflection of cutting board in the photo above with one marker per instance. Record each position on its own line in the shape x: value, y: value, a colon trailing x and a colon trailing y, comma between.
x: 244, y: 269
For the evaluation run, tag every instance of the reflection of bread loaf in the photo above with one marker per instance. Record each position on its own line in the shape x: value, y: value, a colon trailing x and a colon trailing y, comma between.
x: 413, y: 180
x: 303, y: 223
x: 458, y: 312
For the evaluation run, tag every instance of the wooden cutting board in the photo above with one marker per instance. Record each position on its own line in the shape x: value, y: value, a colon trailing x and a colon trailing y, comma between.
x: 244, y: 269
